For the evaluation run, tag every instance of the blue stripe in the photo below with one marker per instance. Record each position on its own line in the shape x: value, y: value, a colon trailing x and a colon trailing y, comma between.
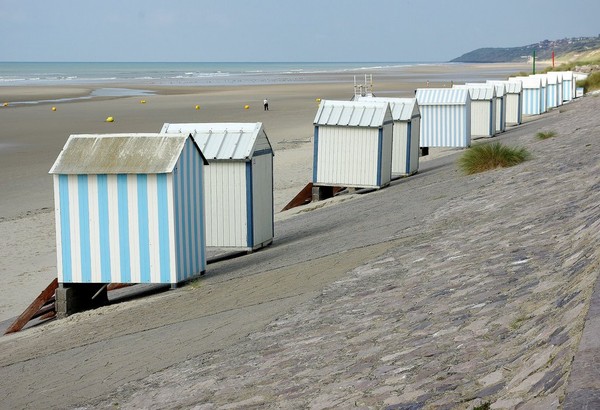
x: 65, y: 228
x: 189, y: 201
x: 202, y: 237
x: 124, y: 251
x: 492, y: 126
x: 143, y: 231
x: 84, y: 228
x: 249, y: 209
x: 163, y: 228
x: 408, y: 141
x: 176, y: 207
x: 105, y: 273
x: 379, y: 155
x: 315, y: 154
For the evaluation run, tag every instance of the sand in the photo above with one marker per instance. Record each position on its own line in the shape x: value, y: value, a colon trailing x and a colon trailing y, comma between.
x: 32, y: 136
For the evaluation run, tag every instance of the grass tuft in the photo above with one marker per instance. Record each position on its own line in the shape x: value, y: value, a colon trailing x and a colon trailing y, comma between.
x: 544, y: 135
x: 484, y: 157
x: 591, y: 83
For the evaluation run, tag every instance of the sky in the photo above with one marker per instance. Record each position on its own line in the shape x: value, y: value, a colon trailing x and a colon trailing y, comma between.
x: 281, y: 30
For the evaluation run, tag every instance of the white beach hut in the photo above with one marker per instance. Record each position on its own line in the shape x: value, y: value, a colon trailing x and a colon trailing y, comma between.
x: 238, y: 182
x: 483, y: 109
x: 129, y: 209
x: 513, y: 97
x: 500, y: 104
x: 405, y: 143
x: 578, y: 91
x: 532, y: 94
x: 445, y: 117
x: 352, y: 144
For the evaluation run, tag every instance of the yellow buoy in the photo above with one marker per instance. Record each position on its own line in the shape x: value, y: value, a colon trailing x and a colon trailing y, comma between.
x: 5, y: 104
x: 246, y: 107
x: 53, y: 108
x: 318, y: 100
x: 110, y: 119
x: 197, y: 107
x: 143, y: 102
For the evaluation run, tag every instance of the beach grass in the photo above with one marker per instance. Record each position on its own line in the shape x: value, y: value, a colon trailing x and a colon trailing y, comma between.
x: 544, y: 135
x: 591, y: 83
x: 485, y: 157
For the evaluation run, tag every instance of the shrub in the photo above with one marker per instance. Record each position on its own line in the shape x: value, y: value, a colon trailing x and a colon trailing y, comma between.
x: 544, y: 135
x: 490, y: 156
x: 591, y: 83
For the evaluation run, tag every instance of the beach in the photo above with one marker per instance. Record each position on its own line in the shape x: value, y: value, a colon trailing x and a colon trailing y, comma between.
x: 32, y: 136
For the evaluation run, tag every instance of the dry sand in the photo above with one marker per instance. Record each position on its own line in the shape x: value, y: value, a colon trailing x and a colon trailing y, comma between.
x: 32, y: 136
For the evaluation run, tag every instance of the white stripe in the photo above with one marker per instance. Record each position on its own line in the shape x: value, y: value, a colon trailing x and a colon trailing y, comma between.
x: 134, y: 233
x: 113, y: 229
x: 74, y: 225
x: 94, y: 224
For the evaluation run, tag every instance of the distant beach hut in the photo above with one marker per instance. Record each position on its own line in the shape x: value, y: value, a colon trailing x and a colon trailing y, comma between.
x: 483, y: 109
x: 532, y: 94
x: 568, y: 85
x: 578, y: 91
x: 238, y: 182
x: 500, y: 104
x: 405, y: 143
x: 352, y: 144
x: 445, y: 117
x: 129, y: 208
x: 513, y: 97
x: 544, y: 87
x: 554, y: 89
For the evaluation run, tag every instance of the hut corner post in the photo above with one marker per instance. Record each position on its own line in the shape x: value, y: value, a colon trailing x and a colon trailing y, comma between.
x: 78, y: 297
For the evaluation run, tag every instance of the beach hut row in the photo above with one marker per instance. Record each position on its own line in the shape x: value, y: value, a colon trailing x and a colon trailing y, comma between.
x: 143, y: 208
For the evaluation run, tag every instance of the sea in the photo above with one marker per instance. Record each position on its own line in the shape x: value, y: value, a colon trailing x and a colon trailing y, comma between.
x: 180, y: 74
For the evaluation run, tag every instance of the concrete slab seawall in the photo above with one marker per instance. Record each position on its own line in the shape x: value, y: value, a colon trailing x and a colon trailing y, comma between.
x: 441, y: 291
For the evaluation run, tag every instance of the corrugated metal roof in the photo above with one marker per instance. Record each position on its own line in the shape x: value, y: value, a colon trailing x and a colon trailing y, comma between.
x: 403, y: 109
x: 499, y: 87
x: 567, y: 75
x: 352, y: 113
x: 120, y: 154
x: 480, y: 92
x: 442, y: 96
x: 224, y: 141
x: 542, y: 77
x: 554, y: 77
x: 510, y: 87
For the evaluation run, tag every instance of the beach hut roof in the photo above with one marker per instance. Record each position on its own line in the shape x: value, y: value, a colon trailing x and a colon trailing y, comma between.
x: 567, y: 75
x: 403, y: 109
x: 353, y: 113
x: 442, y: 96
x: 225, y: 141
x: 529, y: 82
x: 510, y: 87
x: 479, y: 92
x: 553, y: 77
x: 500, y: 88
x: 121, y: 154
x: 542, y: 77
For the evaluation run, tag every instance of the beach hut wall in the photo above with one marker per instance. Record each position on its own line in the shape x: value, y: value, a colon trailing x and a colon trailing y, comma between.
x: 406, y: 130
x: 238, y: 182
x: 483, y: 109
x: 129, y: 208
x: 578, y: 91
x: 532, y: 95
x: 352, y: 144
x: 513, y: 96
x: 445, y: 117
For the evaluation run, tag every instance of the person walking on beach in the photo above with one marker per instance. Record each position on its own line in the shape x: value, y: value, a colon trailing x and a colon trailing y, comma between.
x: 266, y: 104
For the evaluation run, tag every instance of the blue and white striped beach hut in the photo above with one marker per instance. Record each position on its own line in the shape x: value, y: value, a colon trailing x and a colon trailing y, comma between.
x: 500, y: 105
x: 532, y: 94
x: 568, y: 85
x: 445, y: 117
x: 554, y: 89
x: 513, y: 96
x: 405, y: 145
x: 544, y: 84
x: 129, y: 209
x: 353, y: 144
x: 238, y: 184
